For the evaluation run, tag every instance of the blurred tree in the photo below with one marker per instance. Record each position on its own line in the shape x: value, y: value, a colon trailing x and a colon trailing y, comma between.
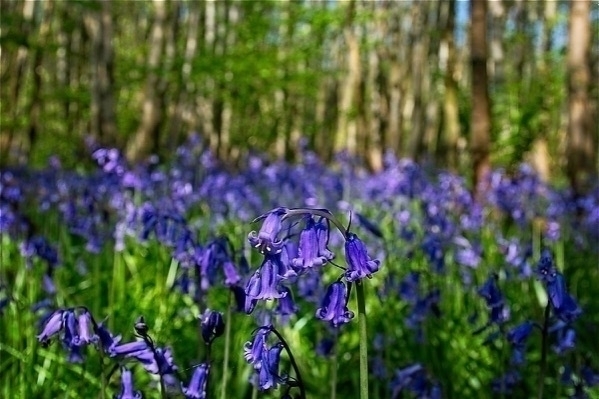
x: 582, y: 137
x: 480, y: 132
x: 98, y: 24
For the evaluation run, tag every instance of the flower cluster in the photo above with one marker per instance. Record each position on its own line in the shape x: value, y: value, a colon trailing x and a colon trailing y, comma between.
x: 286, y: 262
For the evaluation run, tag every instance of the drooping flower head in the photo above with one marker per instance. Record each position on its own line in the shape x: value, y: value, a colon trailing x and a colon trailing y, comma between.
x: 334, y: 305
x: 313, y: 241
x: 197, y: 385
x: 269, y: 368
x: 127, y: 390
x: 264, y: 283
x: 212, y: 325
x: 254, y: 349
x: 267, y: 240
x: 359, y: 263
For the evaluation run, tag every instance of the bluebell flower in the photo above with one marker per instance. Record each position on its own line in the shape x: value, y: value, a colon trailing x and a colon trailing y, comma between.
x: 52, y: 327
x: 198, y: 383
x: 313, y: 241
x: 546, y: 269
x: 519, y: 334
x: 433, y: 249
x: 269, y: 368
x: 105, y: 337
x: 127, y: 389
x: 232, y: 277
x: 254, y: 349
x: 129, y: 349
x: 160, y: 361
x: 264, y: 283
x: 212, y: 325
x: 267, y: 239
x: 563, y: 304
x: 359, y: 263
x: 490, y: 292
x: 85, y: 335
x: 334, y: 305
x: 566, y: 340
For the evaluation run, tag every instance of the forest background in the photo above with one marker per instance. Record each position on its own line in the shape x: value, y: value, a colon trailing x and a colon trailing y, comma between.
x: 463, y: 84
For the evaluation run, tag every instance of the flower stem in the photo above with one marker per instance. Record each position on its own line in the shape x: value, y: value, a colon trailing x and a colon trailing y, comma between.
x: 544, y: 342
x: 223, y: 390
x: 334, y: 361
x: 294, y: 365
x: 363, y: 340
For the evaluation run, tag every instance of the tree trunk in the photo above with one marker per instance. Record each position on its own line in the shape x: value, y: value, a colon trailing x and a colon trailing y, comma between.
x: 480, y: 133
x: 147, y: 136
x: 581, y: 142
x: 100, y: 31
x: 450, y: 133
x: 346, y: 126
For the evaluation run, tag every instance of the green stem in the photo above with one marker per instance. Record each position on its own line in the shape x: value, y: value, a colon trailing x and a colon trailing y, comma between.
x: 363, y: 340
x: 223, y: 390
x: 544, y: 344
x: 334, y: 369
x: 102, y: 376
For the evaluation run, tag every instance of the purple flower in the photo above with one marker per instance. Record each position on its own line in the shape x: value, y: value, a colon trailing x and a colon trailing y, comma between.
x: 546, y: 267
x: 127, y: 390
x: 564, y: 305
x: 359, y: 263
x: 253, y: 350
x: 269, y: 368
x: 312, y: 251
x: 334, y: 305
x: 232, y: 277
x: 266, y: 240
x: 566, y: 340
x: 212, y: 325
x: 129, y: 349
x: 85, y: 336
x: 52, y: 327
x: 197, y: 385
x: 264, y: 282
x: 495, y: 302
x: 518, y: 335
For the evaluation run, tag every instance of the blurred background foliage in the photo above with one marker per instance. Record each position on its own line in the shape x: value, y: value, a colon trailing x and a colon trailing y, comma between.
x: 276, y: 76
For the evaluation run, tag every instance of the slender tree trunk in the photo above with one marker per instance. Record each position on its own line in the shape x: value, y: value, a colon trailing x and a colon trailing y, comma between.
x: 152, y: 114
x: 581, y: 142
x: 186, y: 86
x: 346, y: 126
x: 448, y: 145
x: 103, y: 119
x: 480, y: 134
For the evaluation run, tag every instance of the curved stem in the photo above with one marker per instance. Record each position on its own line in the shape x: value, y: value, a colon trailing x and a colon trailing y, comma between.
x: 318, y: 212
x: 363, y: 340
x: 298, y: 375
x: 334, y: 369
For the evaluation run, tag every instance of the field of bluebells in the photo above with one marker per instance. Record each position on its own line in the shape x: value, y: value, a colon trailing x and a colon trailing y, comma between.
x: 189, y: 280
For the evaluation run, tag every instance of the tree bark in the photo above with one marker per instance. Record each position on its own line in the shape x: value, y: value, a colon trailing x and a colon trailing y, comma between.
x: 581, y: 141
x: 147, y: 136
x: 480, y: 133
x: 450, y: 132
x: 346, y: 126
